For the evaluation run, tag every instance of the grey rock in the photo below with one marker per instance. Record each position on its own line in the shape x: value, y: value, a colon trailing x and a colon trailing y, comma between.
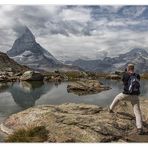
x: 32, y: 76
x: 80, y: 122
x: 86, y: 87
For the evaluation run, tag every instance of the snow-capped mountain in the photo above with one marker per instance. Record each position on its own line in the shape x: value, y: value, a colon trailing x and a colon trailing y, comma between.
x: 27, y: 51
x: 137, y: 56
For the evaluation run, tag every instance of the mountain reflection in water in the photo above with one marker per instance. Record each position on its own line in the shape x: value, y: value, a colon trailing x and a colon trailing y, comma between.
x: 26, y: 93
x: 18, y: 96
x: 15, y: 97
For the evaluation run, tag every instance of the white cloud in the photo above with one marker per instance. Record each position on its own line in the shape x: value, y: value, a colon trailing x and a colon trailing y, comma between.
x: 76, y: 14
x: 92, y: 47
x: 71, y: 32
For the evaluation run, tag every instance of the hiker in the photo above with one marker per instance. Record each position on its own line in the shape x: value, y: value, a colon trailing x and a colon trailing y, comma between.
x: 131, y: 82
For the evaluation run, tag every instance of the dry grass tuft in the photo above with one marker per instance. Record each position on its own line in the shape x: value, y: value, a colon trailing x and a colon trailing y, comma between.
x: 31, y: 134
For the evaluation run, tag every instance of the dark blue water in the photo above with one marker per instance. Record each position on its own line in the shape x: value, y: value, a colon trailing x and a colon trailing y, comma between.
x: 15, y: 97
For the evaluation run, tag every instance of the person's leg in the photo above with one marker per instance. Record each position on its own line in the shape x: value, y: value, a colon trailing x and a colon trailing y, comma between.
x: 137, y: 111
x: 119, y: 97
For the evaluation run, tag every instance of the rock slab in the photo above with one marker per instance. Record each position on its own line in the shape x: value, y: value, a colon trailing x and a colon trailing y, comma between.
x: 80, y: 122
x: 86, y: 87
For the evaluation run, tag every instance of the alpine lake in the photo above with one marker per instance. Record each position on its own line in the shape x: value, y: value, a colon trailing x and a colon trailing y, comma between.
x: 15, y: 97
x: 18, y: 96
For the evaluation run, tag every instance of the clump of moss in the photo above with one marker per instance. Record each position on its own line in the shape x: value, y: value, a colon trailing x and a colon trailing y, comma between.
x: 32, y: 134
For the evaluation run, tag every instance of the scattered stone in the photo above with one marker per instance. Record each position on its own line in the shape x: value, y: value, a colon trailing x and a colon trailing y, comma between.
x: 9, y: 69
x: 3, y: 78
x: 32, y: 76
x: 11, y: 74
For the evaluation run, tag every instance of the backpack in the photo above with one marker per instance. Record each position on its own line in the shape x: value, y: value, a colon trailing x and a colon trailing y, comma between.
x: 133, y: 85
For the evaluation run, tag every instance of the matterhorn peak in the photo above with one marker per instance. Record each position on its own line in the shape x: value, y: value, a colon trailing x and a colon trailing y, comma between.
x: 27, y: 35
x: 24, y: 42
x: 27, y: 51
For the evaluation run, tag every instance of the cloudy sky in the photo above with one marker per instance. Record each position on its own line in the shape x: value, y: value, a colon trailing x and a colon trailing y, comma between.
x: 72, y: 32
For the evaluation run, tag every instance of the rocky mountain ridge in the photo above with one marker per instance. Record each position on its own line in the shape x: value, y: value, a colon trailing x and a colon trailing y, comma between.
x: 137, y: 56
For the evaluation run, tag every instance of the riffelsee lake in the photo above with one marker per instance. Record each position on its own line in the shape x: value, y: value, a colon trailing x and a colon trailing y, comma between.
x: 18, y: 96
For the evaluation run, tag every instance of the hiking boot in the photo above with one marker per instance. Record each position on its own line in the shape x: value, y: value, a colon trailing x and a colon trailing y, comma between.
x: 110, y: 110
x: 140, y: 131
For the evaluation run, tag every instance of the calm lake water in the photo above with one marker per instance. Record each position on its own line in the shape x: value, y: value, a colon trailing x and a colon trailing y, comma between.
x: 15, y: 97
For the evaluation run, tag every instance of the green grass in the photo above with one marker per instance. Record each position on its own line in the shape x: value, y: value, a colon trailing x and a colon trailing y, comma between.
x: 144, y: 76
x: 32, y: 134
x: 76, y: 75
x: 73, y: 74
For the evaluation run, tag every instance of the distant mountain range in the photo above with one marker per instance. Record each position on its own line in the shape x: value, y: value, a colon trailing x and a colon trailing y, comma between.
x: 137, y: 56
x: 26, y: 51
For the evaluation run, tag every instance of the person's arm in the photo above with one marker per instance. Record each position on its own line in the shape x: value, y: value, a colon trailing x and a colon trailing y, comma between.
x: 123, y: 78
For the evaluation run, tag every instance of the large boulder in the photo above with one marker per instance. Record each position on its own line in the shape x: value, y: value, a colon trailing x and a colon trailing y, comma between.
x: 32, y: 76
x: 81, y: 122
x: 86, y: 87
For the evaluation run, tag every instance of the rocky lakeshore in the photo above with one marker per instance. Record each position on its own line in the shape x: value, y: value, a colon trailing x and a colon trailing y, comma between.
x: 81, y: 122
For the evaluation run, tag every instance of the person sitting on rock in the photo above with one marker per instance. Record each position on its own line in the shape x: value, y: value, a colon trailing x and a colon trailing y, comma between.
x: 131, y: 82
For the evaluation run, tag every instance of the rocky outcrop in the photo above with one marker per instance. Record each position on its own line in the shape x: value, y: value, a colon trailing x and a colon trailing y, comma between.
x: 9, y: 69
x: 3, y: 78
x: 80, y: 122
x: 57, y: 77
x: 8, y: 77
x: 9, y: 66
x: 32, y: 76
x: 86, y: 87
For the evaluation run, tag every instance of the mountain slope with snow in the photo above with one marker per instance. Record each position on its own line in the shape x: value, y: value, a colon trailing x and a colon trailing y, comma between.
x: 137, y: 56
x: 27, y: 51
